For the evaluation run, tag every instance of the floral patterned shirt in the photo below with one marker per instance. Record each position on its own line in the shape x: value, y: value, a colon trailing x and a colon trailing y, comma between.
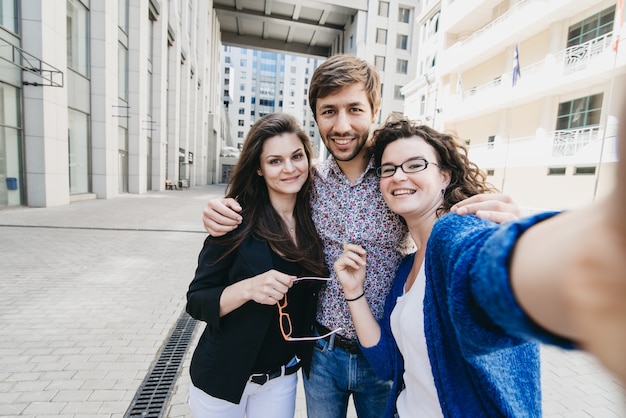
x: 355, y: 213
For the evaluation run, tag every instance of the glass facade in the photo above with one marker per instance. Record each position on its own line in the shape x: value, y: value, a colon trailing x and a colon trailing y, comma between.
x: 11, y: 172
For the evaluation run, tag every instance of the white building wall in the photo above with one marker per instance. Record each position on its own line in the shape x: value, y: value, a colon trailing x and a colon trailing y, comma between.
x: 104, y: 125
x: 45, y: 108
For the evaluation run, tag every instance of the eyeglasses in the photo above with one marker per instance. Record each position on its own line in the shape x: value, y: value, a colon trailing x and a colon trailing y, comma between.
x: 285, y: 320
x: 409, y: 166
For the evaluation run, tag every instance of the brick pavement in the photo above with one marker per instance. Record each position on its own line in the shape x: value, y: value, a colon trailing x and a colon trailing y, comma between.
x: 90, y: 291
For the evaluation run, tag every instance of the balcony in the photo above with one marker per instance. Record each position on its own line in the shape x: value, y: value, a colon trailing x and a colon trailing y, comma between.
x: 580, y: 66
x: 587, y: 145
x: 477, y: 44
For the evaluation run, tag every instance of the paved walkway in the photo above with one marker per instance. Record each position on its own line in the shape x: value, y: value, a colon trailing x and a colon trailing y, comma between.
x: 90, y: 291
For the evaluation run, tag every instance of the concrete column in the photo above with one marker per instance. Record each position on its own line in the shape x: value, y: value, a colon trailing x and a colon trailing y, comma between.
x: 104, y: 98
x: 45, y: 108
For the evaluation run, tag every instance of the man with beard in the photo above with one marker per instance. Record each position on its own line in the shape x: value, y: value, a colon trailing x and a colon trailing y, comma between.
x: 347, y: 206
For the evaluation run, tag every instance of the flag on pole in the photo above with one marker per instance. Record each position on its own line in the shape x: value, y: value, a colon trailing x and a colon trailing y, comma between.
x: 516, y: 70
x: 617, y: 23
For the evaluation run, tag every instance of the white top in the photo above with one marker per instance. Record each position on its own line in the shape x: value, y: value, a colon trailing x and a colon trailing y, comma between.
x: 419, y: 397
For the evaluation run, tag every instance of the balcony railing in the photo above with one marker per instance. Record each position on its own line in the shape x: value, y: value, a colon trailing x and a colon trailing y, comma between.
x: 568, y: 142
x: 568, y: 61
x: 546, y: 148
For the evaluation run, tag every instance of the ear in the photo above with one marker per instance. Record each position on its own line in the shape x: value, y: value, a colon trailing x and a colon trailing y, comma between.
x: 258, y: 171
x: 375, y: 113
x: 445, y: 179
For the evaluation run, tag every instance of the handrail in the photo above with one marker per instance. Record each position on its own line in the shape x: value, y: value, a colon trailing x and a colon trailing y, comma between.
x: 33, y: 65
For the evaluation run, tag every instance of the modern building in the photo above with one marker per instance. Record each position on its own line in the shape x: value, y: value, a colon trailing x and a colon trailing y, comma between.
x: 99, y: 98
x: 532, y: 86
x: 386, y: 35
x: 258, y: 82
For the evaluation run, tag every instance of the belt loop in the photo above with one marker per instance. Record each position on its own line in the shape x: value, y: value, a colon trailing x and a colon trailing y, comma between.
x: 331, y: 342
x: 283, y: 370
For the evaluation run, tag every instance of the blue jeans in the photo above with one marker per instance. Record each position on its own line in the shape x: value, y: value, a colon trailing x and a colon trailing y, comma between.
x: 335, y: 375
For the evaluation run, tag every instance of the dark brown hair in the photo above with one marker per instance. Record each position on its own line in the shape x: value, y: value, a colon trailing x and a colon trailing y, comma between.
x: 260, y: 217
x: 340, y: 71
x: 466, y: 179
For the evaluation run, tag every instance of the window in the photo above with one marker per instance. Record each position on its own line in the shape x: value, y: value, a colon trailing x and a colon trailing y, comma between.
x: 584, y: 170
x: 397, y: 93
x: 8, y: 15
x: 402, y: 41
x: 122, y: 72
x: 402, y: 66
x: 242, y: 111
x: 227, y: 70
x: 379, y: 62
x: 556, y: 171
x: 404, y: 15
x: 422, y: 104
x: 239, y: 134
x: 491, y: 140
x: 383, y: 8
x: 381, y: 36
x: 243, y: 62
x: 490, y: 171
x: 592, y: 27
x: 242, y: 99
x: 432, y: 26
x: 580, y: 113
x: 226, y: 93
x: 240, y: 122
x: 77, y: 37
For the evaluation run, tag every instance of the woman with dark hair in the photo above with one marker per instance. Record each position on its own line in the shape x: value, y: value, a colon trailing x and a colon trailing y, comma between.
x: 456, y: 337
x: 255, y: 287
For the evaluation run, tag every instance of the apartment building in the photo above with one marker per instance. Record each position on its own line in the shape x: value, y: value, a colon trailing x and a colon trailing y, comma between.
x: 258, y: 82
x: 100, y: 98
x: 385, y: 34
x: 532, y: 86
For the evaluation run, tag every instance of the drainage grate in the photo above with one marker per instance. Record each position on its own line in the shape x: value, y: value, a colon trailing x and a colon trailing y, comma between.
x: 153, y: 394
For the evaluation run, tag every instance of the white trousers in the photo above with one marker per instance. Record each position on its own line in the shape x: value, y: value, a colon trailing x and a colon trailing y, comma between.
x: 275, y: 399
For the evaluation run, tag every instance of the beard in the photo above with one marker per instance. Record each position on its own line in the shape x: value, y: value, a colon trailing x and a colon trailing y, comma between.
x: 361, y: 141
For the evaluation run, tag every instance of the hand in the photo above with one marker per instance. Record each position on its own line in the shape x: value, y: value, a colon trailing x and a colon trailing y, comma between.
x: 604, y: 286
x: 350, y: 269
x: 220, y: 216
x: 498, y: 208
x: 269, y: 287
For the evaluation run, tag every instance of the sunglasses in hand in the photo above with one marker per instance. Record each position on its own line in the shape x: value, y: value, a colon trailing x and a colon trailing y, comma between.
x: 285, y: 320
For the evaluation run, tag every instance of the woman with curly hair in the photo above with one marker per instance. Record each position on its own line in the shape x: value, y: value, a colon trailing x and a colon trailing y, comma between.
x: 437, y: 340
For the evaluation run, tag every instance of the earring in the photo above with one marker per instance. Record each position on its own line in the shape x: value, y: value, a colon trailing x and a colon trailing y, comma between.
x: 443, y: 192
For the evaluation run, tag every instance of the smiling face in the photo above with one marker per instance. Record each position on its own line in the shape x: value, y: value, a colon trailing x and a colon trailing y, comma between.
x: 284, y: 165
x: 344, y: 119
x: 416, y: 194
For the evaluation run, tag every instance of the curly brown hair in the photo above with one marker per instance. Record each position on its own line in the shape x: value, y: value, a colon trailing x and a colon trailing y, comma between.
x: 466, y: 179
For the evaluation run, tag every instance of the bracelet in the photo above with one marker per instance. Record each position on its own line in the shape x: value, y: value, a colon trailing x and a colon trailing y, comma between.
x: 356, y: 298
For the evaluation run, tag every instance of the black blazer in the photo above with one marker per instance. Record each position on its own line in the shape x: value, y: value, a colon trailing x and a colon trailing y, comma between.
x: 223, y: 360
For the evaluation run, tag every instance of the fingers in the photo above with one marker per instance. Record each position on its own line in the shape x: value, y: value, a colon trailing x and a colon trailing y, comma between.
x: 220, y: 216
x: 350, y: 269
x: 270, y: 287
x: 495, y: 207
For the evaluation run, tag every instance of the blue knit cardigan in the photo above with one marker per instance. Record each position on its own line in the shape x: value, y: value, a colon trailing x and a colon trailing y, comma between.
x: 476, y: 334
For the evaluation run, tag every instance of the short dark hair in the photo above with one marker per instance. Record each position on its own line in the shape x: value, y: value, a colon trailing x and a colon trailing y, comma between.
x: 340, y: 71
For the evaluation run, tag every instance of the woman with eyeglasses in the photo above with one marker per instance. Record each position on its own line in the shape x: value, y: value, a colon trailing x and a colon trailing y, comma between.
x: 255, y: 287
x: 465, y: 306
